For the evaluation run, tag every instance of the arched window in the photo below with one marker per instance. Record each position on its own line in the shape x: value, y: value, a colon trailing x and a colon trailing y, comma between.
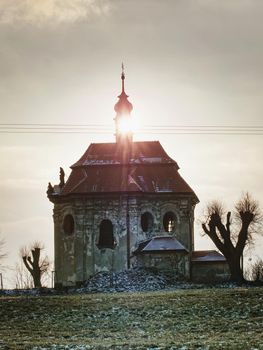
x: 146, y: 221
x: 106, y: 239
x: 68, y: 224
x: 169, y: 221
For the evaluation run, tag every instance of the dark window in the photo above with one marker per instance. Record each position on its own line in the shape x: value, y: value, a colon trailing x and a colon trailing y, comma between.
x: 169, y: 221
x: 146, y: 221
x: 106, y: 239
x: 68, y: 224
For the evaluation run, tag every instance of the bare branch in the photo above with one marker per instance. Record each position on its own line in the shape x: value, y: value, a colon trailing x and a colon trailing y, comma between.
x: 37, y: 245
x: 214, y: 207
x: 248, y: 206
x: 211, y: 232
x: 228, y: 224
x: 25, y: 260
x: 24, y: 251
x: 255, y: 271
x: 2, y: 254
x: 22, y: 278
x: 28, y: 258
x: 45, y: 264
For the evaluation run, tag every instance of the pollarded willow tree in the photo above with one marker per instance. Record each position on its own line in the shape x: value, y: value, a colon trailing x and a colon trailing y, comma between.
x: 35, y: 264
x: 232, y: 236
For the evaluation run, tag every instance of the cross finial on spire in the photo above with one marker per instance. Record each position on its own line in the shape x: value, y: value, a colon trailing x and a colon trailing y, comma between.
x: 122, y: 76
x: 122, y: 69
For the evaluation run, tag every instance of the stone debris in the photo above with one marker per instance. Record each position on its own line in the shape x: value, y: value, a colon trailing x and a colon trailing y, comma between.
x: 134, y: 280
x: 137, y: 279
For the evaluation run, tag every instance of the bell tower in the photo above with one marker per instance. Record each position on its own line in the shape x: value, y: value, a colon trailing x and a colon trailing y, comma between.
x: 123, y: 121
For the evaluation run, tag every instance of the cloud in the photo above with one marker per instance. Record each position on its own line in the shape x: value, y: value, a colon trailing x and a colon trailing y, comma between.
x: 40, y: 12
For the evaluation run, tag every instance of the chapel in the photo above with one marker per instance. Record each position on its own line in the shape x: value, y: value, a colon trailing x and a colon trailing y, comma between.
x: 125, y: 205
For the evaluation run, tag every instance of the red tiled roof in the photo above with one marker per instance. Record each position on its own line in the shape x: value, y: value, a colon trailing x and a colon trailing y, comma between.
x: 207, y: 256
x: 105, y: 168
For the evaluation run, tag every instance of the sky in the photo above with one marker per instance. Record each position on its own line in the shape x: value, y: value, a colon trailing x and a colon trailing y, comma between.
x: 190, y: 63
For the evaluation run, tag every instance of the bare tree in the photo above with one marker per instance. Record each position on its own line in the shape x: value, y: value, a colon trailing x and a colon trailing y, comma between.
x: 36, y: 265
x: 3, y: 254
x: 22, y: 277
x: 255, y: 271
x: 232, y: 236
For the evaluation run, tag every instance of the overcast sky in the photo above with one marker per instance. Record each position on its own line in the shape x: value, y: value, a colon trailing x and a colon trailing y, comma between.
x: 193, y: 63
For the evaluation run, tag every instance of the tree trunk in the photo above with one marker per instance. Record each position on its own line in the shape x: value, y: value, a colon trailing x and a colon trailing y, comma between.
x: 235, y: 269
x: 36, y: 268
x: 37, y: 280
x: 36, y: 277
x: 33, y: 266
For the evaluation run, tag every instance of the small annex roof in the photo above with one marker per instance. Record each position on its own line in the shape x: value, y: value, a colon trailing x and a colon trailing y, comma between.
x: 205, y: 256
x: 160, y: 244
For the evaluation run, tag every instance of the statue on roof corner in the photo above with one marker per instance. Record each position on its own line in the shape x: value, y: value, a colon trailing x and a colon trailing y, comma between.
x: 50, y: 189
x: 61, y: 177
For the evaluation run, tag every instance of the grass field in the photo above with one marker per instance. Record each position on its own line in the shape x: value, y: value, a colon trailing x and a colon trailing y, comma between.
x: 180, y: 319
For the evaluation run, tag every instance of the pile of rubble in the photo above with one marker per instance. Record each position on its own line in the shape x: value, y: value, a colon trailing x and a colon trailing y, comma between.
x: 136, y: 279
x: 133, y: 280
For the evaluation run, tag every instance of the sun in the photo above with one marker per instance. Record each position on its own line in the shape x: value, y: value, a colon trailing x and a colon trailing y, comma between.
x: 126, y: 125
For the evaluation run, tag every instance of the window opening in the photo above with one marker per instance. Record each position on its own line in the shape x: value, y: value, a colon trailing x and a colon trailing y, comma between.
x: 146, y: 221
x: 106, y: 239
x: 169, y: 221
x: 68, y: 224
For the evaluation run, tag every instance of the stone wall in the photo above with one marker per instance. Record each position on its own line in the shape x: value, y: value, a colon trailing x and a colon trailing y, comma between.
x: 176, y: 263
x: 210, y: 272
x: 77, y: 255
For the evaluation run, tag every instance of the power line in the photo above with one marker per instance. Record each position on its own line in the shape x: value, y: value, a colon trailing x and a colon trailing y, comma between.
x: 143, y: 126
x: 141, y: 132
x: 52, y: 125
x: 37, y: 128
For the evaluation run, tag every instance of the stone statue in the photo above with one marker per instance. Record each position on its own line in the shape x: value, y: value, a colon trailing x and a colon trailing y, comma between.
x: 61, y: 177
x: 50, y: 189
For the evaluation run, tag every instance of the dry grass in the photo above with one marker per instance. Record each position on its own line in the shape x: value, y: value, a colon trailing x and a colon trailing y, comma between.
x: 181, y: 319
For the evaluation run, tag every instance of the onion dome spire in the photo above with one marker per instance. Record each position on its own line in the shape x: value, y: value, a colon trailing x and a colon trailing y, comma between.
x: 123, y: 106
x: 123, y: 109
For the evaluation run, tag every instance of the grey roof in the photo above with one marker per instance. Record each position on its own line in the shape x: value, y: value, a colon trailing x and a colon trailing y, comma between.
x: 207, y: 256
x: 160, y: 244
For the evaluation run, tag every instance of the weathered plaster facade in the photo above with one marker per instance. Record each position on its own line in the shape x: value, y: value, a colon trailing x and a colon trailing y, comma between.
x: 77, y: 255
